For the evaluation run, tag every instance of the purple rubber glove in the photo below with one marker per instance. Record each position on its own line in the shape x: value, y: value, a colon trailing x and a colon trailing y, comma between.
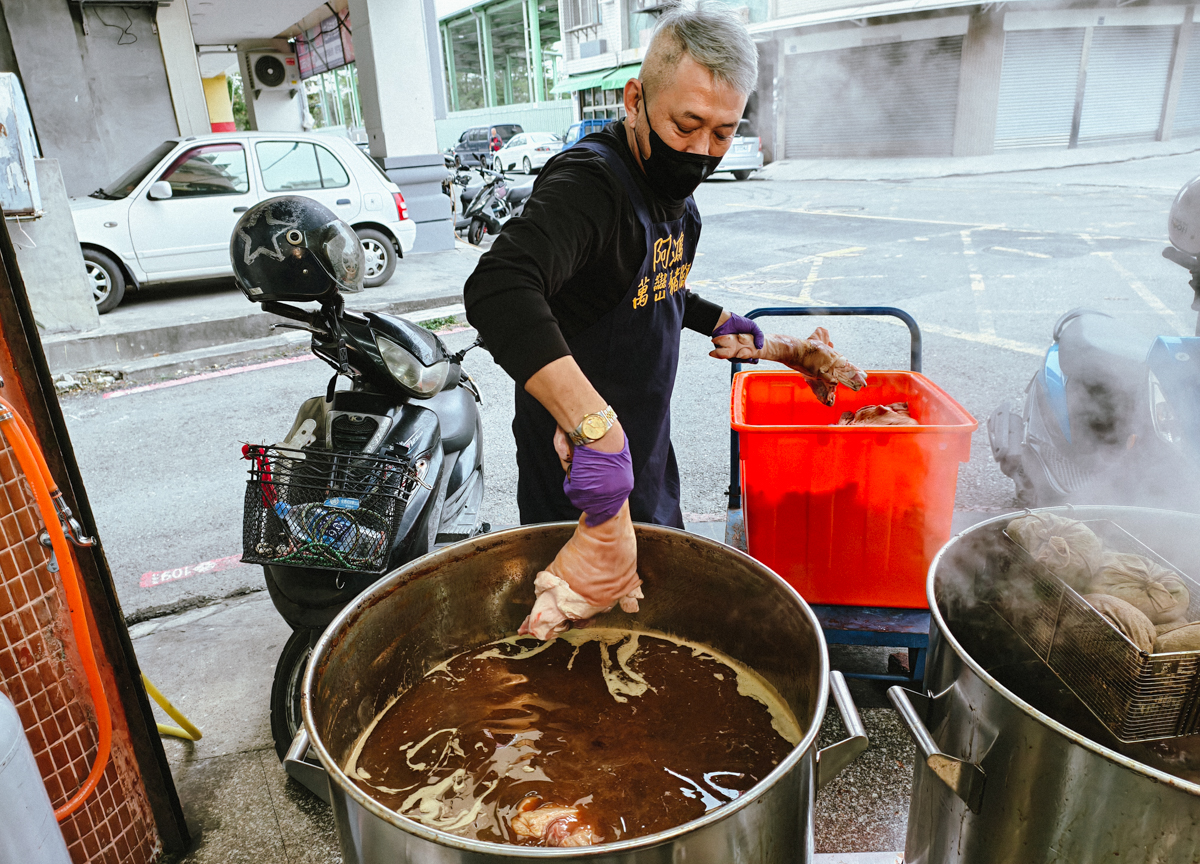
x: 737, y: 324
x: 599, y: 483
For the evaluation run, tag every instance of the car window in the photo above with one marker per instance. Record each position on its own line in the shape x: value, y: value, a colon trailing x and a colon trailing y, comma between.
x: 746, y: 130
x: 128, y: 181
x: 333, y: 174
x: 463, y: 137
x: 289, y: 166
x: 516, y: 141
x: 478, y: 134
x: 214, y: 169
x: 542, y: 137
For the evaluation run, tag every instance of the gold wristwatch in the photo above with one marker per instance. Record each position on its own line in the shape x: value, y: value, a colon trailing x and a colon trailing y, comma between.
x: 593, y: 426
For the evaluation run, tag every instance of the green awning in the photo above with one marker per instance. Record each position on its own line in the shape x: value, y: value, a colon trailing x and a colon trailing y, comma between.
x: 616, y: 79
x: 586, y: 81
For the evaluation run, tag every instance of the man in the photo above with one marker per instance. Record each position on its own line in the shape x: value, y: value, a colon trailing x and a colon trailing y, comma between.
x: 582, y: 300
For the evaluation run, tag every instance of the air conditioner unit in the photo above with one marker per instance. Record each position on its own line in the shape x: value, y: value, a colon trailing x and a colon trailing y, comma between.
x: 272, y: 70
x: 593, y: 49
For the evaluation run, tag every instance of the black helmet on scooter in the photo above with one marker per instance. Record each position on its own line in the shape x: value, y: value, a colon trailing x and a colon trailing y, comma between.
x: 294, y: 248
x: 1183, y: 225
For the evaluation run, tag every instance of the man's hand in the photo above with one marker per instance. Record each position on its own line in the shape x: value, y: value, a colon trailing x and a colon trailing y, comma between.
x: 813, y: 357
x: 597, y: 483
x: 592, y: 573
x: 733, y: 324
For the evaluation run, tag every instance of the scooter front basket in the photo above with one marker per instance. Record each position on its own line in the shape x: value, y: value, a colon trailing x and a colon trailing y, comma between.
x: 324, y: 510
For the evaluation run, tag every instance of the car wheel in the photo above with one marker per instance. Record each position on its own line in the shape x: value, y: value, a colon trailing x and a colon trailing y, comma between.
x: 526, y: 167
x: 476, y: 231
x: 742, y: 175
x: 106, y: 279
x: 380, y: 257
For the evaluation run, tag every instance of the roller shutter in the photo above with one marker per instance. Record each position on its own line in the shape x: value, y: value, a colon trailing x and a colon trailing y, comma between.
x: 1187, y: 109
x: 897, y: 99
x: 1037, y: 88
x: 1126, y: 82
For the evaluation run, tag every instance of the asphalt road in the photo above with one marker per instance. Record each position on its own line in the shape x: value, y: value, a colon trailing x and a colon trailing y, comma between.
x: 985, y: 263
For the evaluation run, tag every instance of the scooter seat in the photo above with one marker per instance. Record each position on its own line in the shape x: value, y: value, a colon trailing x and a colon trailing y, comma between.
x: 518, y: 194
x: 1093, y: 345
x: 456, y: 415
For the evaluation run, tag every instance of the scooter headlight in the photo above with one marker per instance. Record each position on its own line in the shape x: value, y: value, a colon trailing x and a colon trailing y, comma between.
x: 408, y: 371
x: 1166, y: 422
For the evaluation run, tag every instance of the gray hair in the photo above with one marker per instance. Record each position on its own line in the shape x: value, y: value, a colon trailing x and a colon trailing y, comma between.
x: 712, y: 35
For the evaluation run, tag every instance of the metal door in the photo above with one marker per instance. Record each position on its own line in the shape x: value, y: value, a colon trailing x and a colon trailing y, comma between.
x: 1126, y: 83
x: 1187, y: 109
x: 1037, y: 88
x: 897, y: 99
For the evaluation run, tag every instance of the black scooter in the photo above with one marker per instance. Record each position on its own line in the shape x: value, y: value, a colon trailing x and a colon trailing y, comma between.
x: 489, y: 204
x: 366, y: 480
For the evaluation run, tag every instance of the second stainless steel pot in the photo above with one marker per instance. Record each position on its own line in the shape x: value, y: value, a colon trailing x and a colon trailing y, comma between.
x: 478, y: 591
x: 1013, y: 769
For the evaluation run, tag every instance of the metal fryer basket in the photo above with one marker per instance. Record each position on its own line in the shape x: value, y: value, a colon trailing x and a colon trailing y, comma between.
x: 1136, y: 695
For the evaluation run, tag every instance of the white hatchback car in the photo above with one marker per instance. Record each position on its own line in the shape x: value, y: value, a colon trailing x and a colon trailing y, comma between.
x: 169, y: 218
x: 528, y: 151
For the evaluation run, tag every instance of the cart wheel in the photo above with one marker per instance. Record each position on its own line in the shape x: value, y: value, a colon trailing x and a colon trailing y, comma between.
x: 286, y: 718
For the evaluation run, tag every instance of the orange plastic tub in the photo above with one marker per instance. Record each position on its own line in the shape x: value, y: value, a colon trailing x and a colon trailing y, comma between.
x: 848, y: 515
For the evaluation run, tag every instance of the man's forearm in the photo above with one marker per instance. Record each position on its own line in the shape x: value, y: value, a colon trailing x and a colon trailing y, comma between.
x: 566, y: 393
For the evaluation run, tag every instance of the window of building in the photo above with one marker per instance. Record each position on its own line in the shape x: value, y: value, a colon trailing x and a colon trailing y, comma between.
x: 289, y: 166
x: 215, y: 169
x: 597, y: 104
x: 582, y: 13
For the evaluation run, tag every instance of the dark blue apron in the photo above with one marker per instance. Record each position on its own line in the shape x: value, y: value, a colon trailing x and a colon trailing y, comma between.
x: 630, y: 356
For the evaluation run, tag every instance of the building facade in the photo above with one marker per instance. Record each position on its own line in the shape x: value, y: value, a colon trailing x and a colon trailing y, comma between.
x: 967, y: 80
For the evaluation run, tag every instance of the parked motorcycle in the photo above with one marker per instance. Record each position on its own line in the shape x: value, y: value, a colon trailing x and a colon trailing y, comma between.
x: 1113, y: 415
x: 368, y: 478
x: 486, y: 207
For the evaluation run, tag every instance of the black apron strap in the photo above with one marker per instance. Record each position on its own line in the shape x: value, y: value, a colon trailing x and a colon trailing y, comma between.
x: 617, y: 164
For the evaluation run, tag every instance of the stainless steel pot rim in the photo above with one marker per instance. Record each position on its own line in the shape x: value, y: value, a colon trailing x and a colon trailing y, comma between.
x: 1082, y: 511
x: 466, y: 547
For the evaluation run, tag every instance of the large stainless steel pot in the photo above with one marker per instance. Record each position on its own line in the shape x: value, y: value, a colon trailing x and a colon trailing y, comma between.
x: 479, y: 590
x: 1015, y: 769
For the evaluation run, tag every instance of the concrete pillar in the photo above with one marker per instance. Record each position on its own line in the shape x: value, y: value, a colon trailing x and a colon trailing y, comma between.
x: 508, y: 85
x: 220, y: 109
x: 535, y: 58
x: 51, y: 261
x: 979, y: 85
x: 1175, y: 76
x: 398, y: 83
x: 489, y: 59
x: 183, y: 72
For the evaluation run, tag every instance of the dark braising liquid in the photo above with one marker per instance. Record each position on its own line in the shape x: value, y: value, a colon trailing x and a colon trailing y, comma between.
x: 641, y: 733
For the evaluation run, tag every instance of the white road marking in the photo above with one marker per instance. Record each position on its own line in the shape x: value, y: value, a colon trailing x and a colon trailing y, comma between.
x: 990, y: 226
x: 1148, y: 296
x: 1021, y: 252
x: 987, y: 323
x: 806, y: 292
x: 989, y: 339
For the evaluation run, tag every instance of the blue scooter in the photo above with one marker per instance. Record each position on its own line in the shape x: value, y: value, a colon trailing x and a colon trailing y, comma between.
x: 1110, y: 417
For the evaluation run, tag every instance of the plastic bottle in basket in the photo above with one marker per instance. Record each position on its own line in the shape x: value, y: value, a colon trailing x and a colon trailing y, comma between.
x: 323, y: 524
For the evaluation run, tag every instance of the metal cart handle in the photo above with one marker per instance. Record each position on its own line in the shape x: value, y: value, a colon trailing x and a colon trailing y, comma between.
x: 914, y: 363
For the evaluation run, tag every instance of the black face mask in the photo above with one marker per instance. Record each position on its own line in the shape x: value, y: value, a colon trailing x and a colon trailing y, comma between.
x: 673, y: 173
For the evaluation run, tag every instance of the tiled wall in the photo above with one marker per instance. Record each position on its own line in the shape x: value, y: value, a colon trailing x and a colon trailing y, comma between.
x: 41, y: 673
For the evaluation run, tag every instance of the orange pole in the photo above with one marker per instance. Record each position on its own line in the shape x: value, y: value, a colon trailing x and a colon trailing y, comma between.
x: 37, y: 472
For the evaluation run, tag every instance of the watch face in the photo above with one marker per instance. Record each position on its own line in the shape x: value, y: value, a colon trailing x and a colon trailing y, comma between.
x: 594, y: 426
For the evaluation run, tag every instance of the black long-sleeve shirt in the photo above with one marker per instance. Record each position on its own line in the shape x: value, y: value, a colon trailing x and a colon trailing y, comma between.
x: 567, y: 261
